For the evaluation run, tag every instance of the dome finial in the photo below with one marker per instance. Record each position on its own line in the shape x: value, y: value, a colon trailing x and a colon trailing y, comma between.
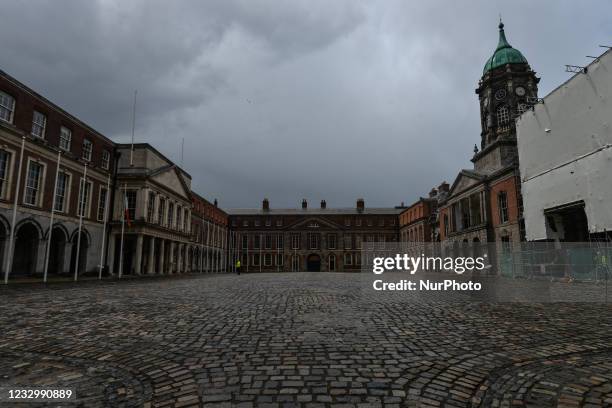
x: 501, y: 24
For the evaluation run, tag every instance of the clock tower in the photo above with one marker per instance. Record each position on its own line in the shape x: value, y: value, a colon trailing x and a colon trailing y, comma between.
x: 507, y: 88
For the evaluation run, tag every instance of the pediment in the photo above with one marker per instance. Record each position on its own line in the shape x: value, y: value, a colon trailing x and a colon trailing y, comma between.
x: 465, y: 179
x: 171, y: 180
x: 314, y: 223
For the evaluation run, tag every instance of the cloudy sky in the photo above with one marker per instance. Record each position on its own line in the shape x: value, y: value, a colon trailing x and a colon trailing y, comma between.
x: 282, y: 99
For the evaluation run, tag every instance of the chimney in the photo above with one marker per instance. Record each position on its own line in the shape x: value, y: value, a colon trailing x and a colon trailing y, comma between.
x: 323, y: 204
x: 304, y: 204
x: 216, y: 203
x: 433, y: 193
x: 265, y: 205
x: 444, y: 187
x: 360, y: 204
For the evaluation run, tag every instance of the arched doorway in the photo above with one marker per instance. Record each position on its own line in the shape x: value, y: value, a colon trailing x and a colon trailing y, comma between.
x: 26, y: 249
x: 313, y: 263
x: 331, y: 264
x: 82, y: 253
x: 57, y: 250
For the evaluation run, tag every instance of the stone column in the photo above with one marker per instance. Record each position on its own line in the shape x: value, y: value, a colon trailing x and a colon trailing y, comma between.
x: 151, y: 262
x: 162, y: 256
x: 110, y: 260
x: 171, y: 258
x: 138, y: 262
x: 179, y: 262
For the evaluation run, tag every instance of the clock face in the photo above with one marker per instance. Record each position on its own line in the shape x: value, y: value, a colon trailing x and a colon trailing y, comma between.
x: 520, y: 91
x: 500, y: 94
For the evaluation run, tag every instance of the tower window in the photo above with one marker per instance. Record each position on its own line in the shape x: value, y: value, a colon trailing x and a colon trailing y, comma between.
x: 503, y: 116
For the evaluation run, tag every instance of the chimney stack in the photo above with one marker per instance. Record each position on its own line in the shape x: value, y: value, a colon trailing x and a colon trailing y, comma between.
x: 304, y: 204
x: 216, y: 203
x: 360, y: 204
x: 433, y: 193
x: 323, y: 204
x: 444, y: 187
x: 265, y: 205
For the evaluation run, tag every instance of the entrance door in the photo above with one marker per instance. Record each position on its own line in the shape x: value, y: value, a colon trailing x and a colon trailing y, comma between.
x: 313, y: 263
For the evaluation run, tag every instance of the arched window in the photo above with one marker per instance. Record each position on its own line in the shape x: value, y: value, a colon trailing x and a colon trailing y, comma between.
x: 503, y: 116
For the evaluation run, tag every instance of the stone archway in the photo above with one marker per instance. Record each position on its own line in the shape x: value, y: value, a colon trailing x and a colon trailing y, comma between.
x: 58, y: 241
x: 313, y: 263
x: 25, y: 253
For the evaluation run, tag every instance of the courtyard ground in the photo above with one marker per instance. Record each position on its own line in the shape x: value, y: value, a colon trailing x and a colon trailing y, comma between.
x: 298, y: 339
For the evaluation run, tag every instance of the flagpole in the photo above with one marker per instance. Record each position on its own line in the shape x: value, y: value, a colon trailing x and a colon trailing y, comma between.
x: 260, y: 247
x: 59, y: 156
x: 82, y: 192
x: 105, y: 221
x: 10, y: 251
x: 133, y: 128
x: 247, y: 252
x: 122, y: 233
x: 207, y: 247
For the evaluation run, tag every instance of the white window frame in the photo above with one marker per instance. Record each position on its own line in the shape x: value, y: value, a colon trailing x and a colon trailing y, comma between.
x: 65, y: 143
x: 105, y: 162
x: 295, y: 241
x: 5, y: 188
x: 37, y: 125
x: 87, y: 204
x: 87, y: 150
x: 330, y: 241
x: 503, y: 116
x: 348, y: 259
x: 66, y: 199
x: 41, y: 184
x: 7, y: 102
x: 267, y: 259
x: 102, y: 217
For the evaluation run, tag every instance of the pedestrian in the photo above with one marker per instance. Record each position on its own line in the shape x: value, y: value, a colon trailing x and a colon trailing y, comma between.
x: 238, y: 266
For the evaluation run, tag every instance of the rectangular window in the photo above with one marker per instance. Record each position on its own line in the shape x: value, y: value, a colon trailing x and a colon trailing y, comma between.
x: 256, y: 242
x: 348, y: 259
x: 179, y: 214
x: 151, y: 207
x: 268, y: 222
x: 331, y: 241
x: 348, y: 242
x: 161, y: 211
x: 65, y: 138
x: 279, y: 259
x: 87, y: 149
x: 280, y: 242
x: 5, y: 158
x: 257, y: 223
x: 35, y: 171
x: 295, y: 241
x: 255, y: 259
x: 63, y: 181
x: 347, y: 222
x: 105, y: 159
x: 268, y: 260
x: 130, y: 196
x: 279, y: 223
x: 7, y: 107
x: 186, y: 220
x: 170, y: 215
x: 84, y: 197
x: 314, y: 241
x: 39, y: 124
x: 245, y: 242
x: 268, y: 241
x: 357, y: 241
x: 102, y: 204
x: 502, y: 201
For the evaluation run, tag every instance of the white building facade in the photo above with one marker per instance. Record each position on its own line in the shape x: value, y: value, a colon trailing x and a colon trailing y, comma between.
x: 565, y: 151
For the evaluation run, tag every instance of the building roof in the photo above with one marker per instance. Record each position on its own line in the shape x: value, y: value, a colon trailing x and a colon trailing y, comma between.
x: 315, y: 211
x: 504, y: 53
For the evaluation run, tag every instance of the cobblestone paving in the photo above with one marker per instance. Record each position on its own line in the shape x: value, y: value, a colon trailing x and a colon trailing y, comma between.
x: 313, y: 340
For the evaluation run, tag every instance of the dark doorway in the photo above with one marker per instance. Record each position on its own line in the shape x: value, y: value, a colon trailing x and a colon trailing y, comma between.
x: 56, y: 252
x: 569, y: 222
x: 313, y: 263
x: 82, y: 254
x: 26, y: 250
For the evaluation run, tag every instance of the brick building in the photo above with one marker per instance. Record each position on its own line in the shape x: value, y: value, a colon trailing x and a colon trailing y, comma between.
x: 484, y: 203
x: 210, y: 241
x: 47, y: 131
x: 415, y: 224
x: 311, y: 239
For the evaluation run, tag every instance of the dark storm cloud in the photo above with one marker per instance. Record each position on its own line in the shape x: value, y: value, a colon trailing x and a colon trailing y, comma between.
x: 316, y: 99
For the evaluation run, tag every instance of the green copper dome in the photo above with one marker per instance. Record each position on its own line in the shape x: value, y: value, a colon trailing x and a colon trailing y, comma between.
x: 504, y: 53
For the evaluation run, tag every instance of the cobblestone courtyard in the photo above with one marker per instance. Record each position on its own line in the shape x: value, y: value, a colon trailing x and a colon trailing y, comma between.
x: 299, y: 340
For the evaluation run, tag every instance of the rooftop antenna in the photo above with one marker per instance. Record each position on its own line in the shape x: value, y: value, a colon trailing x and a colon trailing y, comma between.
x: 182, y: 150
x: 133, y: 127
